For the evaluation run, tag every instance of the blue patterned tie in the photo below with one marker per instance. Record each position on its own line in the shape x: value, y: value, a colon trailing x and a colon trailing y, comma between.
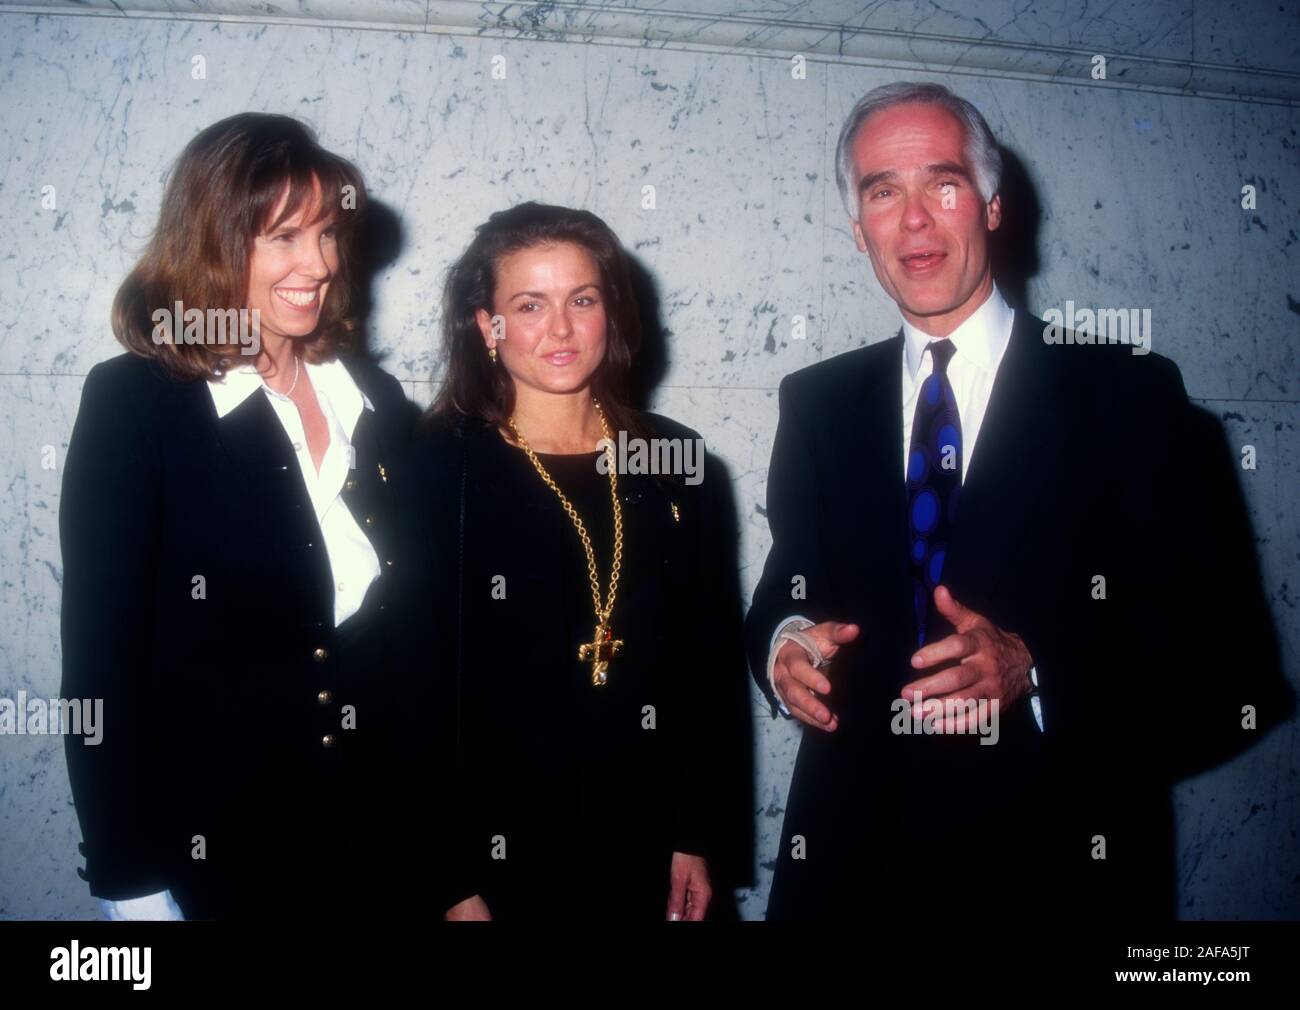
x: 933, y: 484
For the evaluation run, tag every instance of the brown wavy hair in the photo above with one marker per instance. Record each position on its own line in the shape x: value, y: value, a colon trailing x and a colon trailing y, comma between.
x: 477, y: 387
x: 220, y: 196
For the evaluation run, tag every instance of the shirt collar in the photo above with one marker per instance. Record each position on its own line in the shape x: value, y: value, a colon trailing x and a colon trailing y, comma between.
x: 981, y: 338
x: 331, y: 379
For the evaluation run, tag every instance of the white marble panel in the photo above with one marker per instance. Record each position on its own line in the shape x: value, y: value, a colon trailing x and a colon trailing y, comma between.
x: 1139, y: 196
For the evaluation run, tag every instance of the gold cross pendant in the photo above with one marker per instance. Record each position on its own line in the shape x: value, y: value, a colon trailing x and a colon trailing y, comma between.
x: 598, y: 652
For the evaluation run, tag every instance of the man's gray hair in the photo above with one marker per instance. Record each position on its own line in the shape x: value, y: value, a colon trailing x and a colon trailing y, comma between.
x: 981, y: 148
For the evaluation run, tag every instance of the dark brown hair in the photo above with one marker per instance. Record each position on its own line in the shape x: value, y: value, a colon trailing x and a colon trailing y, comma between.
x: 477, y: 387
x: 220, y: 196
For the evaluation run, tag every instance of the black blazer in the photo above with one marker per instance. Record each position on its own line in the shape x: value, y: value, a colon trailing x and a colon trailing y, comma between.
x: 218, y: 700
x: 513, y: 752
x: 1090, y: 461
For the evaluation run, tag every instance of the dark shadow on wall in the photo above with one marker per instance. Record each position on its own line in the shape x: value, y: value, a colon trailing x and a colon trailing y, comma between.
x: 379, y: 244
x: 1014, y: 246
x: 652, y: 361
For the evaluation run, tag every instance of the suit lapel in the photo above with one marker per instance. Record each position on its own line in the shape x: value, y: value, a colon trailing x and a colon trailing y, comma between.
x: 872, y: 459
x: 254, y: 440
x: 1020, y: 441
x: 374, y: 428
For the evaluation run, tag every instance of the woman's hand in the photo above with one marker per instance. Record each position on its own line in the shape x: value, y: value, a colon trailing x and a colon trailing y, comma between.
x: 470, y: 910
x: 689, y: 892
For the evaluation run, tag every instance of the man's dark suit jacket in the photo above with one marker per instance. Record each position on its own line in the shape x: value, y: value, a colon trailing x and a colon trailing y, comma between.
x: 1090, y: 462
x: 215, y: 709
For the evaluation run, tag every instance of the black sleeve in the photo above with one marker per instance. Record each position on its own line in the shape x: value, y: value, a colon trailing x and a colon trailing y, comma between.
x: 108, y: 522
x: 710, y: 716
x: 407, y: 411
x: 389, y: 394
x: 793, y: 507
x: 428, y: 479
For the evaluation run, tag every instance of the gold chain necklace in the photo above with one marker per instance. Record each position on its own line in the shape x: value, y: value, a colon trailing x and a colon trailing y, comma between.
x: 603, y: 646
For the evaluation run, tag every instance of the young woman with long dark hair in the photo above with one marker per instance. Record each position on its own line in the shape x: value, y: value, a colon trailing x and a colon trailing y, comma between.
x: 567, y: 614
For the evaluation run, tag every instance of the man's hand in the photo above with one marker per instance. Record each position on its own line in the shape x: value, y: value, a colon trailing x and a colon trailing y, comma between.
x: 689, y: 891
x: 980, y: 661
x: 470, y: 910
x: 798, y: 684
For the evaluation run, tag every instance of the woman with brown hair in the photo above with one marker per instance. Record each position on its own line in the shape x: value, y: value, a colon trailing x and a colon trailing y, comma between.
x: 227, y: 534
x: 588, y: 653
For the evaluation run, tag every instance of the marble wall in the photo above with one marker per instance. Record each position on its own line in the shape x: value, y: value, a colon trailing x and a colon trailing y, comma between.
x: 1138, y: 180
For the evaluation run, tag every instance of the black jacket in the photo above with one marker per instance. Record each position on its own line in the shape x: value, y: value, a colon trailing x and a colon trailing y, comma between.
x: 1090, y: 462
x: 529, y: 747
x: 219, y: 693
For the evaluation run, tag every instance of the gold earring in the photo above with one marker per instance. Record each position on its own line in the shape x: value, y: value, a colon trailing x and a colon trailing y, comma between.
x: 492, y: 353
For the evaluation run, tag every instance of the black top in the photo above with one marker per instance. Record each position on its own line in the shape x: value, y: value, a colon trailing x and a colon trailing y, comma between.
x: 588, y: 492
x: 585, y: 791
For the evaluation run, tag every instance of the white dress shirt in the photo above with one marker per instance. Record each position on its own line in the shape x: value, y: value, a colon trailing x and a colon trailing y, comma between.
x: 354, y: 564
x: 979, y: 344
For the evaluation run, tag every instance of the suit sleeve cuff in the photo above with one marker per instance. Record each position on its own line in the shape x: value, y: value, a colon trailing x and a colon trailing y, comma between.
x: 1035, y: 700
x: 160, y: 907
x: 797, y: 623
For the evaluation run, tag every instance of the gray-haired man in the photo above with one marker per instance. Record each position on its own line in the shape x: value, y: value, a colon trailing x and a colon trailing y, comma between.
x: 942, y: 507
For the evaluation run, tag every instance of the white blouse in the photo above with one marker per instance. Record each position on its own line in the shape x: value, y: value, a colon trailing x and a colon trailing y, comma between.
x: 353, y: 560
